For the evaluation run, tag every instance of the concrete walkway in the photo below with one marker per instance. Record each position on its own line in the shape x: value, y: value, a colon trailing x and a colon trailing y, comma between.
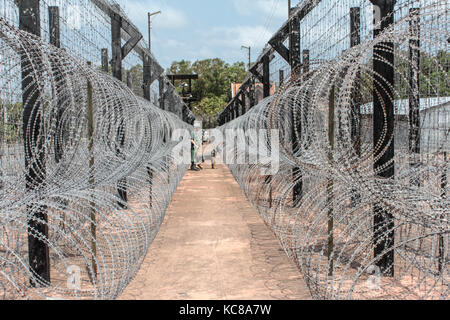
x: 214, y: 246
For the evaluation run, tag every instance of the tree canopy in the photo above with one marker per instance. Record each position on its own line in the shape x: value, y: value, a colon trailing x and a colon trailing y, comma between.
x: 213, y: 88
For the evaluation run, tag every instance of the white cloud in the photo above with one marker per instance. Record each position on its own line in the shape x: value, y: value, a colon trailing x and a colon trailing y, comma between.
x: 275, y: 8
x: 221, y: 42
x: 202, y: 42
x: 235, y: 37
x: 171, y: 18
x: 174, y: 44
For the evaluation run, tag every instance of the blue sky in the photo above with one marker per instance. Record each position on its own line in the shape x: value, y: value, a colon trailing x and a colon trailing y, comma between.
x: 200, y: 29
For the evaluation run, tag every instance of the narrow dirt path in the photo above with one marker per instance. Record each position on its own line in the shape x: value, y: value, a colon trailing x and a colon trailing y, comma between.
x: 213, y: 245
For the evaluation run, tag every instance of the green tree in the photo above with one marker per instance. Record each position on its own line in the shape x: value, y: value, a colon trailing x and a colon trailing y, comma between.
x: 136, y: 74
x: 179, y: 67
x: 434, y: 73
x: 10, y: 121
x: 211, y: 106
x: 213, y: 88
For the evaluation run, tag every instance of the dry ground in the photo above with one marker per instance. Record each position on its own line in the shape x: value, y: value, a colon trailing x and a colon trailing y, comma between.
x: 213, y: 245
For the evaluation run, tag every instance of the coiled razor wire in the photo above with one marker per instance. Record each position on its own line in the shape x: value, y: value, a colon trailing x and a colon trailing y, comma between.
x: 329, y: 233
x: 87, y: 137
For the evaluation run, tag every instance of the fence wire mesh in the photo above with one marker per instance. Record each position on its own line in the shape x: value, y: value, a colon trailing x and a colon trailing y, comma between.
x: 354, y: 233
x: 86, y: 171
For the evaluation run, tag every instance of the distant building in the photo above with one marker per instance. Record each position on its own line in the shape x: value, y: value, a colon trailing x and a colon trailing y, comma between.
x: 434, y: 124
x: 259, y: 90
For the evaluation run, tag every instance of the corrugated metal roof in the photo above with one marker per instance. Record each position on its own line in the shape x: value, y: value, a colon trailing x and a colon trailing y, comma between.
x: 401, y: 107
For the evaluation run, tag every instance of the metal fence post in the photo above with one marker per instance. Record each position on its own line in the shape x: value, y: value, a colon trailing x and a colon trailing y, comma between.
x: 54, y: 32
x: 38, y: 250
x: 116, y: 44
x: 147, y: 75
x: 330, y: 182
x: 105, y: 63
x: 355, y: 118
x: 383, y: 137
x: 414, y: 91
x: 53, y: 21
x: 295, y: 63
x: 90, y: 110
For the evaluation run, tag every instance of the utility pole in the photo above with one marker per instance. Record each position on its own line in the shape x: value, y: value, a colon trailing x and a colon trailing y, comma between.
x: 252, y: 81
x: 249, y: 55
x: 150, y: 29
x: 148, y: 59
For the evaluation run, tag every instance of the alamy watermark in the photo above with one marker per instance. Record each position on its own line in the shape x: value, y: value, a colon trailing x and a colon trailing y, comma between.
x: 374, y: 280
x: 234, y: 146
x: 74, y: 278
